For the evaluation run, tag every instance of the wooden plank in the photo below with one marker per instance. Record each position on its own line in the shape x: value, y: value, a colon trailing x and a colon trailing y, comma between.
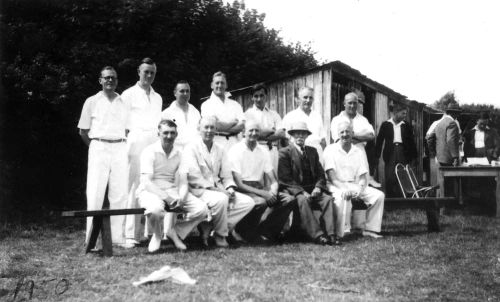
x: 289, y: 96
x: 327, y: 101
x: 105, y: 212
x: 107, y: 241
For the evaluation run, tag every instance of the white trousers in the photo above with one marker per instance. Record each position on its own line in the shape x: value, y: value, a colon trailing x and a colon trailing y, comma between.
x: 107, y: 166
x: 196, y: 211
x: 137, y: 140
x: 370, y: 220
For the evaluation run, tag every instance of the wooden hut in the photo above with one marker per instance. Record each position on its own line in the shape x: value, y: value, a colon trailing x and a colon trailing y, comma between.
x: 331, y: 82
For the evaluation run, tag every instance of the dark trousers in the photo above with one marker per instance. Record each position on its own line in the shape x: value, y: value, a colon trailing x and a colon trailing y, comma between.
x: 263, y: 220
x: 316, y: 215
x: 391, y: 182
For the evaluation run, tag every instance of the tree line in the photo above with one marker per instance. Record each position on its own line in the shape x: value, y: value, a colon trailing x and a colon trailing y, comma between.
x: 51, y: 54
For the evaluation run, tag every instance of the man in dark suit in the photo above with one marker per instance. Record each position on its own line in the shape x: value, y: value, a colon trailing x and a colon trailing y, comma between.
x: 301, y: 175
x: 443, y: 141
x: 482, y: 141
x: 396, y: 135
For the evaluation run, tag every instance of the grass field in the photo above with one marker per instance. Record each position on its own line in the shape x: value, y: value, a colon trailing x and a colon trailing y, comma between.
x: 462, y: 263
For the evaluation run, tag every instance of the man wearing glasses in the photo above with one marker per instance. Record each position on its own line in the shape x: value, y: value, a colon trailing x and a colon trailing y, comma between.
x: 103, y: 128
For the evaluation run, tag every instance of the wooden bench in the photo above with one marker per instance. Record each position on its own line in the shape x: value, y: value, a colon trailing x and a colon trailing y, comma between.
x: 101, y: 224
x: 431, y: 205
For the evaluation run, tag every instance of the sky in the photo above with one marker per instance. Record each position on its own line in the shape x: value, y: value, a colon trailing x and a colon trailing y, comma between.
x: 420, y: 48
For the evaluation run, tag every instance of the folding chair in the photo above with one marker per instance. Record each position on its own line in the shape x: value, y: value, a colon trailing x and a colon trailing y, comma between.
x: 408, y: 183
x: 420, y: 191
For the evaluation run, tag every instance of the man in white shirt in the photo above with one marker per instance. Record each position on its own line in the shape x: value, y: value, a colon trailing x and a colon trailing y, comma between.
x: 210, y: 179
x: 160, y: 163
x: 270, y: 122
x: 250, y: 165
x: 145, y: 112
x: 346, y: 167
x: 229, y: 114
x: 313, y: 119
x: 103, y: 128
x: 363, y: 130
x: 185, y: 115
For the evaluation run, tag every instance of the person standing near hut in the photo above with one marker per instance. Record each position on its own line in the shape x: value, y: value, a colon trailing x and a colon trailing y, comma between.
x: 145, y: 114
x: 443, y: 140
x: 396, y: 136
x: 313, y: 120
x: 103, y: 128
x: 228, y: 113
x: 270, y: 122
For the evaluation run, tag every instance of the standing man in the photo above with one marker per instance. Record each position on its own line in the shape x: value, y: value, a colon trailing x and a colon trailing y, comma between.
x: 313, y: 120
x: 229, y: 114
x: 302, y: 178
x: 363, y: 130
x: 396, y: 136
x: 145, y: 113
x: 210, y: 179
x: 482, y: 141
x: 185, y: 115
x: 250, y: 164
x: 270, y: 122
x: 103, y: 128
x: 160, y: 162
x: 443, y: 141
x: 346, y: 167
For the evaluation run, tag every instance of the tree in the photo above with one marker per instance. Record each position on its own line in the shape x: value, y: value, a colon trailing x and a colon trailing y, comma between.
x: 445, y: 100
x: 52, y: 51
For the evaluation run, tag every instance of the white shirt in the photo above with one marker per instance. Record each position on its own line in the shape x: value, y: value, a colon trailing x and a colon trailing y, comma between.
x: 106, y: 119
x: 397, y: 131
x: 348, y: 167
x: 267, y: 118
x: 478, y: 138
x: 314, y: 123
x: 187, y: 124
x: 224, y: 111
x: 145, y: 113
x: 250, y: 165
x: 154, y: 161
x: 359, y: 123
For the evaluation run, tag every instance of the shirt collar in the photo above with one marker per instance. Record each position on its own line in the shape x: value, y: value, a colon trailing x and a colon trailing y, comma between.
x: 117, y: 98
x: 151, y: 90
x: 394, y: 123
x: 256, y: 108
x: 159, y: 148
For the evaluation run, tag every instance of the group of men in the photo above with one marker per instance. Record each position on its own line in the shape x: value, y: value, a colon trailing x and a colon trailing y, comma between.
x: 222, y: 168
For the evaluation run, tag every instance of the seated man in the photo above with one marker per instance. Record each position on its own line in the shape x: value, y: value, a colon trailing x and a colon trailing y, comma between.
x: 302, y: 178
x: 346, y: 168
x: 250, y: 163
x: 160, y: 162
x: 210, y: 179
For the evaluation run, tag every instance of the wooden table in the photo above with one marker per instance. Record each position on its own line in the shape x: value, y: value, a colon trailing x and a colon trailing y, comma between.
x: 470, y: 171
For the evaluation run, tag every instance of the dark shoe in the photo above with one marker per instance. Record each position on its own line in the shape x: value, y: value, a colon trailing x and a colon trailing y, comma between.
x: 322, y: 240
x: 334, y: 240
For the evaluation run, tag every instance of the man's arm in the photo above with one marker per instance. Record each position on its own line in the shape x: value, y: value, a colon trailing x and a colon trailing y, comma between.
x: 84, y: 134
x: 364, y: 136
x: 150, y: 186
x: 285, y: 173
x: 249, y: 189
x: 183, y: 187
x: 452, y: 137
x: 380, y: 140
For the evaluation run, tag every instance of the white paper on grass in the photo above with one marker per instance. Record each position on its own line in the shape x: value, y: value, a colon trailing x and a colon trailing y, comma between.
x: 176, y: 274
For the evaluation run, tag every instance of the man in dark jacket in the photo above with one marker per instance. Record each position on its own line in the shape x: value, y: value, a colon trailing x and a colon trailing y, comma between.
x: 302, y: 177
x: 396, y: 135
x: 482, y: 141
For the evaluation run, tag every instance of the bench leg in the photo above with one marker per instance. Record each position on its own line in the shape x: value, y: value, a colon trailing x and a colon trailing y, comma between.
x: 95, y: 229
x: 107, y: 244
x: 432, y: 212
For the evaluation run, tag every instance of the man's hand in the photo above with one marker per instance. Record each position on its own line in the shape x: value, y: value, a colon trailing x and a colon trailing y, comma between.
x: 272, y: 201
x: 172, y: 203
x: 286, y: 198
x: 455, y: 162
x: 316, y: 192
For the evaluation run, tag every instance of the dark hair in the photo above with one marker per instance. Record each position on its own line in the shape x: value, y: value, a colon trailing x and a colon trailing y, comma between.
x: 167, y: 122
x: 148, y: 61
x: 258, y: 87
x: 484, y: 115
x: 180, y: 82
x: 397, y: 107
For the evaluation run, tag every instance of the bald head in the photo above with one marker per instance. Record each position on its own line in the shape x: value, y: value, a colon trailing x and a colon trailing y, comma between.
x: 345, y: 132
x: 252, y: 131
x: 207, y: 128
x: 306, y: 99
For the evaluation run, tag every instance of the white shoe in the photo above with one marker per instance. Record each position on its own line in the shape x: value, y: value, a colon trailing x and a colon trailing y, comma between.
x: 371, y: 234
x: 154, y: 243
x: 125, y: 245
x: 131, y: 241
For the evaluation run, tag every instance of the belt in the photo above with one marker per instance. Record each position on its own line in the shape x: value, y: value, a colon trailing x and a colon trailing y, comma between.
x: 225, y: 134
x: 397, y: 144
x: 121, y: 140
